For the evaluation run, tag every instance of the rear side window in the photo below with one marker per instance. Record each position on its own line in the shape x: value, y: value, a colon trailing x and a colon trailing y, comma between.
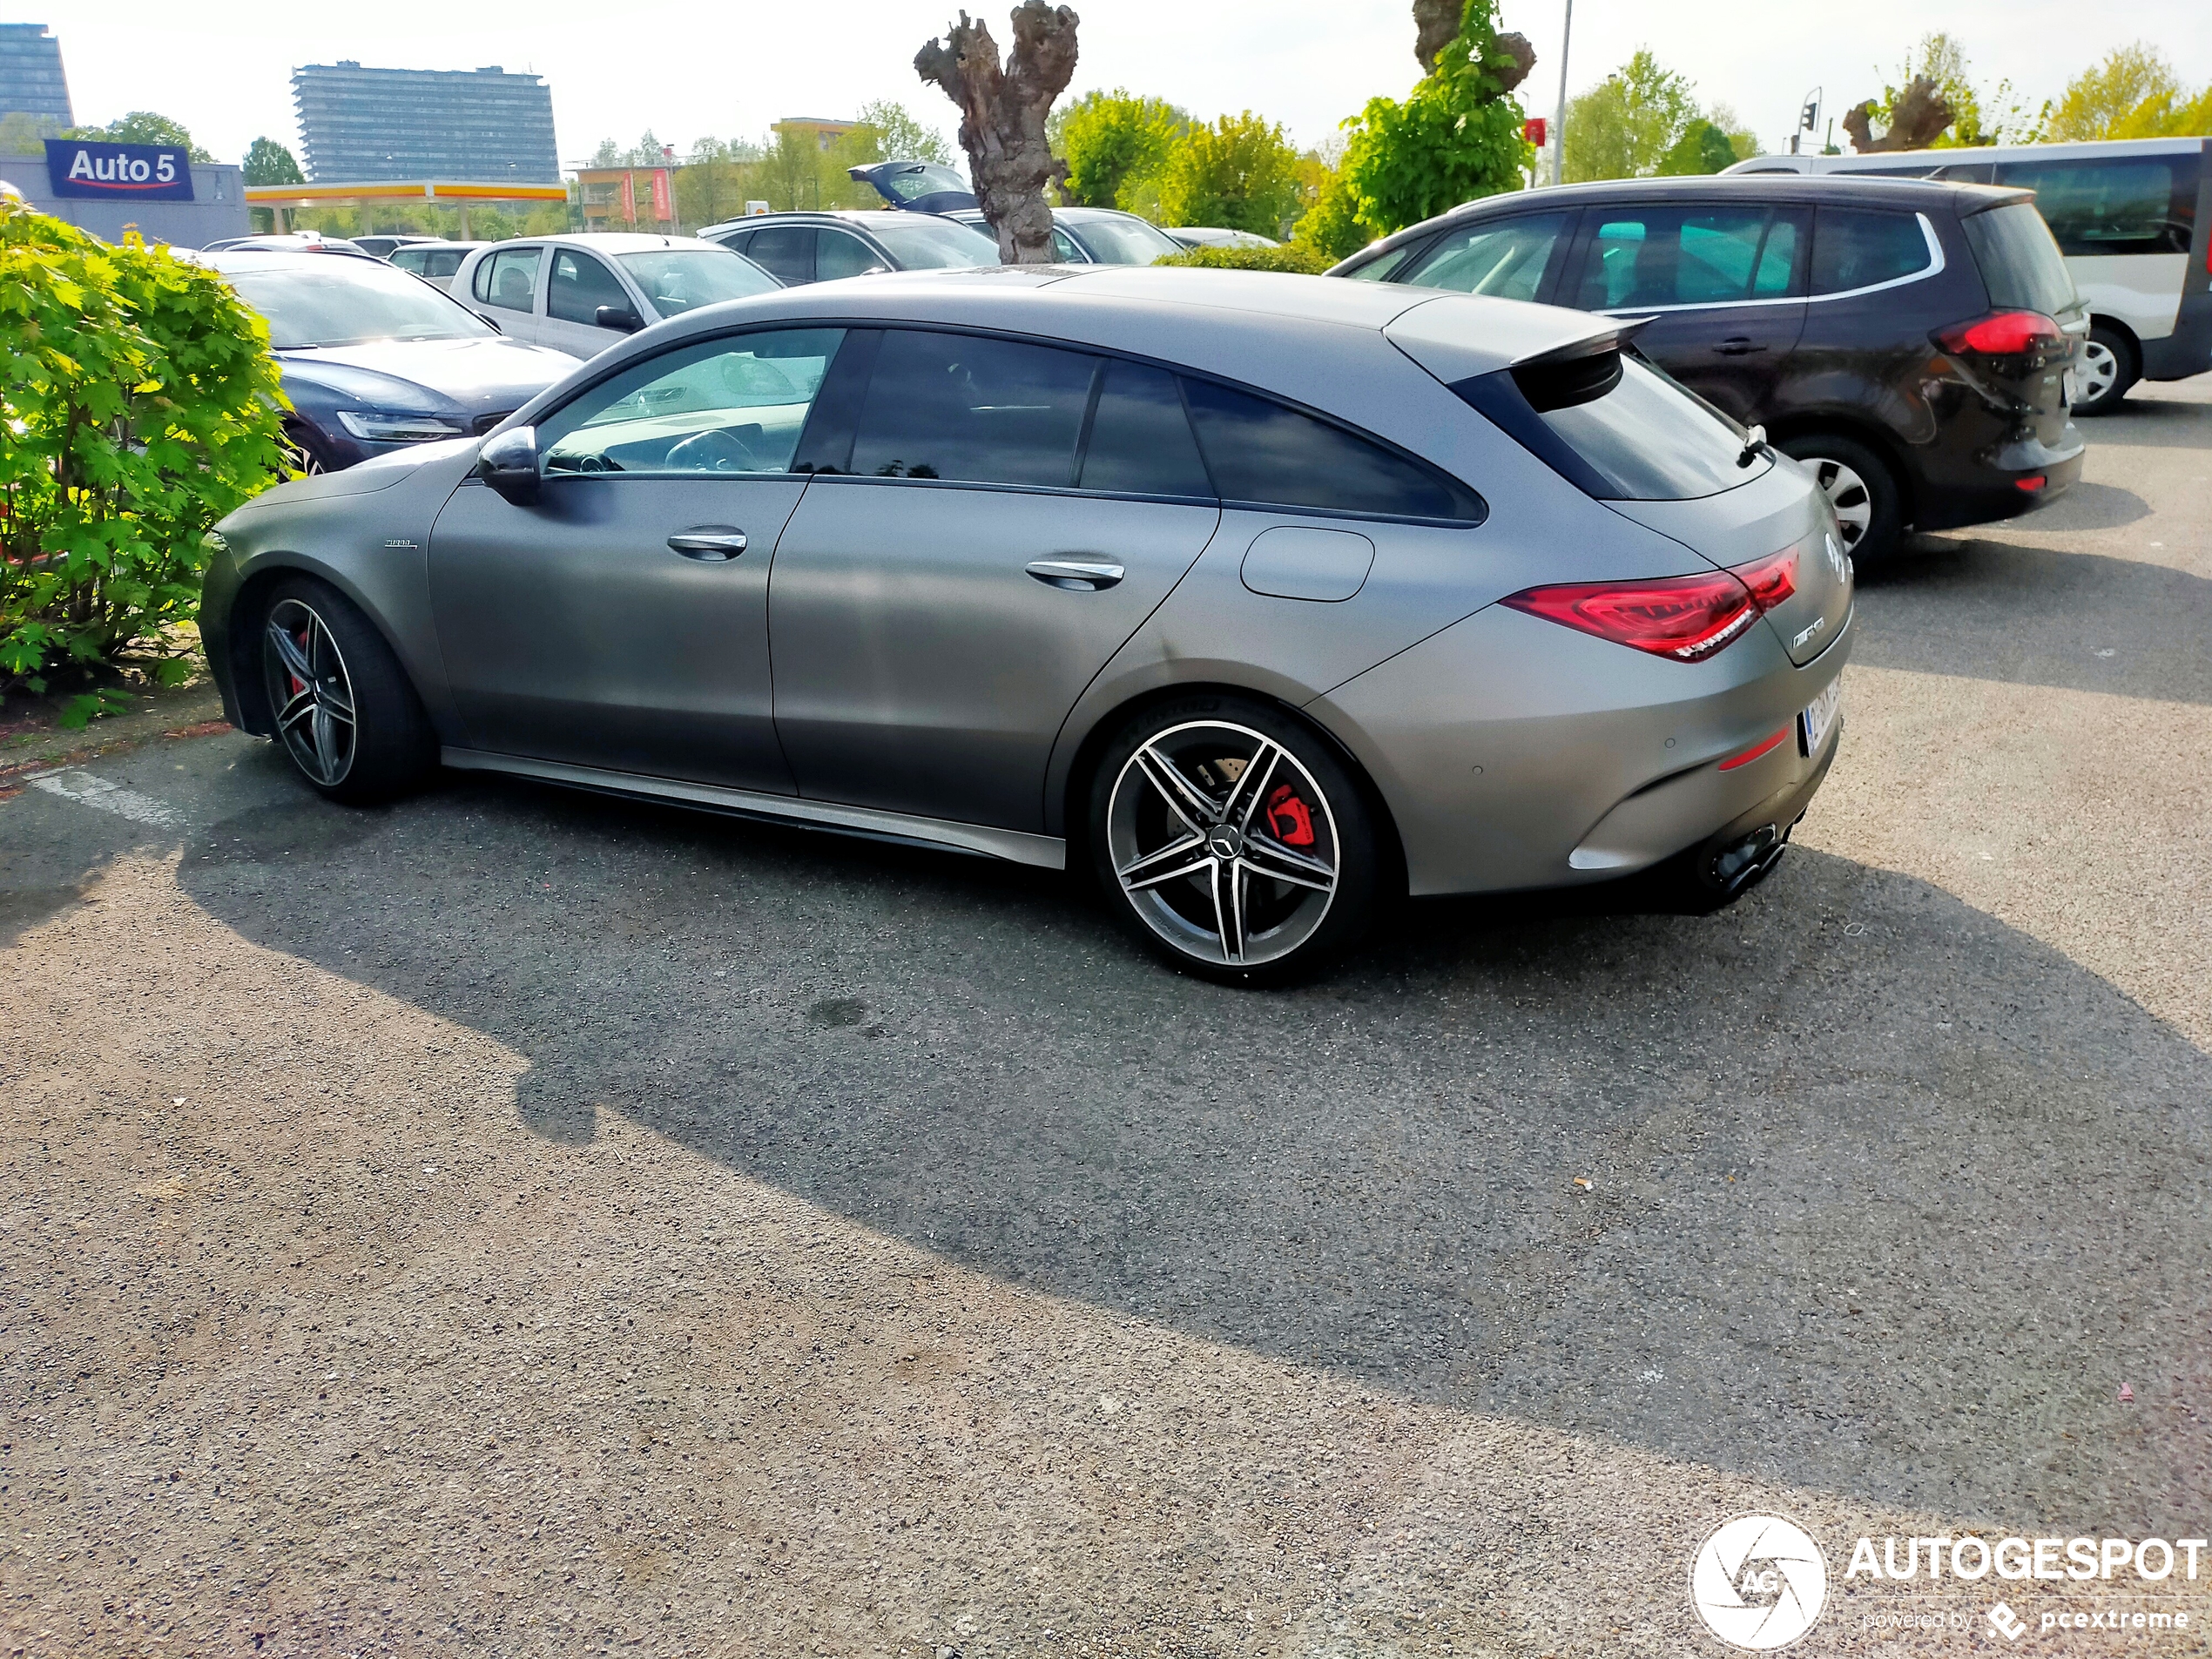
x: 2115, y: 204
x: 1853, y: 248
x: 1262, y: 452
x: 1140, y: 441
x: 2020, y: 263
x: 1688, y: 256
x: 976, y: 409
x: 1503, y: 259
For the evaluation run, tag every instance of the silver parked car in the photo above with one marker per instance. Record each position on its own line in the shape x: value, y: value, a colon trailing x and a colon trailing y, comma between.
x: 1093, y: 236
x: 581, y: 294
x: 432, y: 260
x: 1260, y: 597
x: 799, y: 248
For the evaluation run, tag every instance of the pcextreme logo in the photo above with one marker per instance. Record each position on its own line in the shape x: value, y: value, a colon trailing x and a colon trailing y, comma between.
x: 1758, y: 1582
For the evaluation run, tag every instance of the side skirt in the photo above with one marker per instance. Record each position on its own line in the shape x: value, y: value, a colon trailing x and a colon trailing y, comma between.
x: 1043, y: 852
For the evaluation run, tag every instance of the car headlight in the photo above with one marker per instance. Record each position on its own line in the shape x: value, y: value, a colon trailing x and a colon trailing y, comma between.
x: 396, y: 428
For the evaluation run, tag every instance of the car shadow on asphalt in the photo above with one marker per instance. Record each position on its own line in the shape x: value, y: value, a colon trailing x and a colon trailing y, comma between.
x: 1977, y: 607
x: 1850, y: 1186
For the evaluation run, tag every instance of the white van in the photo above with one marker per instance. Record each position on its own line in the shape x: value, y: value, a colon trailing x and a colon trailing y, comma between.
x: 2134, y: 221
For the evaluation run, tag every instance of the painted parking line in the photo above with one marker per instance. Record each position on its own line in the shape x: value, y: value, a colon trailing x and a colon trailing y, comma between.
x: 87, y: 790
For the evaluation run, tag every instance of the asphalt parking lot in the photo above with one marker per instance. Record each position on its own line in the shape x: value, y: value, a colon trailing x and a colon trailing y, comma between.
x: 520, y: 1222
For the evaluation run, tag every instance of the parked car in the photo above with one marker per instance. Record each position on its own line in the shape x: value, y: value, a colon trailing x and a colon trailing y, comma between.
x: 292, y: 242
x: 376, y: 361
x: 1259, y: 597
x: 1215, y: 236
x: 799, y: 248
x: 1096, y: 236
x: 1914, y: 344
x: 384, y: 246
x: 433, y: 261
x: 916, y: 186
x: 580, y: 294
x: 2133, y: 219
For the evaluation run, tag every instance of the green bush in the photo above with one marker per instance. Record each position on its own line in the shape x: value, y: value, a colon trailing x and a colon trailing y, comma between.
x: 1291, y: 256
x: 139, y: 404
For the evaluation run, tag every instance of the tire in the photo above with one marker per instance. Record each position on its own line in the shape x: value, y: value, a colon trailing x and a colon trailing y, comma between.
x: 2110, y: 366
x: 1869, y: 503
x: 340, y: 707
x: 308, y: 454
x: 1252, y: 885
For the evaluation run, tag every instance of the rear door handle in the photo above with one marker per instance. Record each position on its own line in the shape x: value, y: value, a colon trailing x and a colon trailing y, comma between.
x: 711, y: 544
x: 1078, y: 575
x: 1737, y: 347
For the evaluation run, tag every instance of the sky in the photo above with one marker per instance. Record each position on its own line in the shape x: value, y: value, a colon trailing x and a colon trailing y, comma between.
x: 223, y: 67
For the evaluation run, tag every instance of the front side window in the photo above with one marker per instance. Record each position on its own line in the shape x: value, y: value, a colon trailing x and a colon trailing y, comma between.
x: 508, y: 279
x: 1853, y: 248
x: 1688, y: 256
x: 838, y: 253
x: 1265, y: 454
x: 578, y: 286
x: 978, y: 410
x: 723, y: 406
x: 1063, y: 251
x: 1506, y: 259
x: 2121, y: 205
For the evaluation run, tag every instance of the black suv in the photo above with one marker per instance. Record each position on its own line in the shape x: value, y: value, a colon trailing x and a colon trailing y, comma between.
x: 1915, y: 345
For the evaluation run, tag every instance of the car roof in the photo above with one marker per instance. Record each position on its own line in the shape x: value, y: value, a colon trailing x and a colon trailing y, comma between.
x: 232, y: 259
x: 607, y: 241
x: 863, y: 216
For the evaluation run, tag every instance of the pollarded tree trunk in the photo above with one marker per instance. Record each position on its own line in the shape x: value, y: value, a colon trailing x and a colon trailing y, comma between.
x: 1437, y: 24
x: 1002, y: 118
x: 1916, y: 119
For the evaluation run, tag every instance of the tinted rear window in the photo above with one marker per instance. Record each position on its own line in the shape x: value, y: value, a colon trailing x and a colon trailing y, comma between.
x: 2113, y: 204
x: 2019, y: 262
x: 1262, y: 452
x: 1853, y: 248
x: 980, y: 410
x: 1140, y: 441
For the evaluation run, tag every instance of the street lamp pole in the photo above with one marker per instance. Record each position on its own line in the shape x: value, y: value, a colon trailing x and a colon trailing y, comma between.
x: 1559, y: 124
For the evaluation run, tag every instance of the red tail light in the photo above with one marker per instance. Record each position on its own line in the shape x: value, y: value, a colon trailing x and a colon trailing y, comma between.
x: 2003, y: 334
x: 1687, y: 617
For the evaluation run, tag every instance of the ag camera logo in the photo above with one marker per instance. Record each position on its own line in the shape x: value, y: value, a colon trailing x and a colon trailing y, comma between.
x: 1758, y: 1582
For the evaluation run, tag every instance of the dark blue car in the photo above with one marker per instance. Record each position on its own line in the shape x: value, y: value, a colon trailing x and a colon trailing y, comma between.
x: 374, y: 359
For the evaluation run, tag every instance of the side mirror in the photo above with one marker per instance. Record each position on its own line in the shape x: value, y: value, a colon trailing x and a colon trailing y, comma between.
x: 508, y: 464
x: 618, y: 317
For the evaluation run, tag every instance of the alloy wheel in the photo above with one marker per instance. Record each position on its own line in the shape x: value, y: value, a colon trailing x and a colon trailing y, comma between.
x: 309, y: 691
x: 1223, y: 843
x: 2099, y: 371
x: 1847, y: 493
x: 302, y: 459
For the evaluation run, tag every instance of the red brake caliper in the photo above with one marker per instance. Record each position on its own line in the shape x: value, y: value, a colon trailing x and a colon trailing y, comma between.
x: 1289, y: 818
x: 298, y: 685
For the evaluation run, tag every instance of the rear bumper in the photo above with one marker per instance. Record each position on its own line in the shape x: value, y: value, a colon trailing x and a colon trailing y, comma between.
x: 2001, y: 496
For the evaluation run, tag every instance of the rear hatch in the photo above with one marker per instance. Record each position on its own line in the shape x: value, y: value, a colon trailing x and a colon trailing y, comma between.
x: 1621, y: 430
x: 2022, y: 353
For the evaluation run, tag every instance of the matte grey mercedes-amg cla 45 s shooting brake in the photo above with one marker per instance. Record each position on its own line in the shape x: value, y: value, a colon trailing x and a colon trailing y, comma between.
x: 1266, y: 597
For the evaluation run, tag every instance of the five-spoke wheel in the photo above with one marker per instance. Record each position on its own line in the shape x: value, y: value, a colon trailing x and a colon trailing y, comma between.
x: 310, y: 697
x: 337, y: 702
x: 1232, y: 837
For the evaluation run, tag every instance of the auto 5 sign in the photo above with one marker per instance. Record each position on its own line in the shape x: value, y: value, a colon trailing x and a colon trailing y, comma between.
x: 144, y: 171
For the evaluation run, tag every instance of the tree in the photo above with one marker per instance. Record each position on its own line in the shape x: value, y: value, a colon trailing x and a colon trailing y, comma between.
x: 899, y: 137
x: 1003, y: 117
x: 1331, y: 224
x: 1111, y: 140
x: 1239, y: 172
x: 2132, y: 94
x: 1908, y: 119
x: 1626, y: 126
x: 1918, y: 117
x: 1702, y: 148
x: 144, y: 126
x: 1456, y: 136
x: 268, y: 162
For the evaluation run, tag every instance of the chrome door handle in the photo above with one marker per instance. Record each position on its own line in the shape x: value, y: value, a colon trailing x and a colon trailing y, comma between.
x: 1078, y: 575
x: 711, y: 543
x: 1739, y: 346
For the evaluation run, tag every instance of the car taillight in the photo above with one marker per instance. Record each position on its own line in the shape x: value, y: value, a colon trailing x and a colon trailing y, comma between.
x: 2003, y: 334
x: 1687, y: 617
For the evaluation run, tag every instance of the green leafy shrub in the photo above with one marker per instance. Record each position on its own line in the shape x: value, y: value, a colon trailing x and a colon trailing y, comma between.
x: 1238, y: 173
x: 1306, y: 262
x: 139, y: 404
x: 1456, y: 136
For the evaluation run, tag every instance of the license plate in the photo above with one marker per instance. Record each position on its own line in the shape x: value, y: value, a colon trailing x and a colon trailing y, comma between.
x: 1813, y: 725
x: 2068, y: 388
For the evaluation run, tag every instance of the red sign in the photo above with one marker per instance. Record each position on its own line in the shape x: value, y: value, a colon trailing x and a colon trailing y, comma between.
x: 664, y: 198
x: 1533, y: 131
x: 629, y: 201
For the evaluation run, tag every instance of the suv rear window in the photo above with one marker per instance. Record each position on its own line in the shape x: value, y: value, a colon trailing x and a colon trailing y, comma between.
x: 1617, y: 427
x: 2020, y: 263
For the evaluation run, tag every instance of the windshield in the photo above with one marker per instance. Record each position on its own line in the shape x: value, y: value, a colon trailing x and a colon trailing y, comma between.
x: 936, y: 244
x: 677, y: 280
x: 344, y: 302
x: 1123, y: 242
x: 2019, y: 259
x: 908, y: 183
